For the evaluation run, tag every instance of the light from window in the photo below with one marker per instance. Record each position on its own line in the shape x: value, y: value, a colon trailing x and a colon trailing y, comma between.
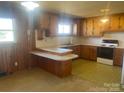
x: 6, y: 30
x: 64, y: 29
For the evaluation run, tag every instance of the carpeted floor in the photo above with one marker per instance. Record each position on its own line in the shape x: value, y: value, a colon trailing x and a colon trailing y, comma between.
x: 83, y: 78
x: 97, y: 72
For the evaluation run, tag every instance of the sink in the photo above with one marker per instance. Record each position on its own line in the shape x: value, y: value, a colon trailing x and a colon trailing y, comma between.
x: 68, y: 44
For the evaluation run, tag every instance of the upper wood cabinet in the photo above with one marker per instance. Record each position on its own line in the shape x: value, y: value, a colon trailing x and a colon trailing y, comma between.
x: 122, y: 22
x: 44, y: 21
x: 83, y: 31
x: 76, y: 27
x: 92, y: 26
x: 89, y: 26
x: 104, y: 26
x: 96, y: 27
x: 114, y: 22
x: 54, y: 20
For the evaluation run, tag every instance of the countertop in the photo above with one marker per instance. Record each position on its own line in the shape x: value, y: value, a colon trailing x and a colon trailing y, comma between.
x: 97, y: 45
x: 57, y: 50
x: 54, y: 57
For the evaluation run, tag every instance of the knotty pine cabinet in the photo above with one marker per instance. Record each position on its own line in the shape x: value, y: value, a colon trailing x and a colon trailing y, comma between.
x: 88, y: 52
x: 122, y: 22
x: 114, y: 22
x: 118, y: 56
x: 92, y: 26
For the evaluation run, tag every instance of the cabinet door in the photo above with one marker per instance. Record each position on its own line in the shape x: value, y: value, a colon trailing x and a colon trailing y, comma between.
x: 104, y: 26
x: 44, y: 21
x: 93, y: 53
x: 114, y: 22
x: 76, y: 27
x: 76, y: 50
x: 89, y: 27
x: 85, y: 52
x: 54, y: 25
x: 118, y: 56
x: 83, y: 27
x: 122, y: 22
x: 96, y: 27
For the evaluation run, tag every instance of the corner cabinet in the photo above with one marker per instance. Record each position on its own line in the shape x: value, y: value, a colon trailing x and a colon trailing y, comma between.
x: 76, y: 27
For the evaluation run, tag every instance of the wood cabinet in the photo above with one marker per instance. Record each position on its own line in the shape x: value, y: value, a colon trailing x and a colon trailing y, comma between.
x: 58, y: 68
x: 96, y: 27
x: 92, y: 26
x: 93, y: 53
x: 122, y: 22
x: 114, y: 22
x: 118, y: 56
x: 104, y: 26
x: 44, y: 21
x: 76, y: 49
x: 76, y: 27
x: 88, y: 52
x: 54, y: 20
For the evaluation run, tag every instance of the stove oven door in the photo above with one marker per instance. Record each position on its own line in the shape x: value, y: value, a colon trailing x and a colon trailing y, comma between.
x: 105, y: 55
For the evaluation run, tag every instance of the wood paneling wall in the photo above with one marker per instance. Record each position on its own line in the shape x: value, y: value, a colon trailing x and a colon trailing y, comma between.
x: 18, y: 51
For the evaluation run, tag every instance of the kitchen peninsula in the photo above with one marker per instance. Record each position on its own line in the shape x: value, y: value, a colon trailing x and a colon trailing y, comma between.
x: 54, y: 60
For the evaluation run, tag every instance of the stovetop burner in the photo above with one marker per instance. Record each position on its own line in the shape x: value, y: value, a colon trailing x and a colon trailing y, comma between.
x: 110, y: 43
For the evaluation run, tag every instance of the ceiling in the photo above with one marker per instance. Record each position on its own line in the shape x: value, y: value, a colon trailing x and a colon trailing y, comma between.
x: 83, y: 8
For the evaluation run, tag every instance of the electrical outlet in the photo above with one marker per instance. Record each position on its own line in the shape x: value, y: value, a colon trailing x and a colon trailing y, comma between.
x: 16, y: 64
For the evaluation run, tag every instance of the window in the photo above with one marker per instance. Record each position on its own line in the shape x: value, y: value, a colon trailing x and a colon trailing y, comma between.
x: 6, y: 30
x: 64, y: 29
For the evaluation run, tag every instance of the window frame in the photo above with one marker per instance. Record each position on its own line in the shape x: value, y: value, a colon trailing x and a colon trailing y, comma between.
x: 65, y: 34
x: 9, y: 30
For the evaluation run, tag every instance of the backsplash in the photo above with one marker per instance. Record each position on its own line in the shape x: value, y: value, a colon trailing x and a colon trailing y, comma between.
x: 56, y: 41
x: 109, y: 35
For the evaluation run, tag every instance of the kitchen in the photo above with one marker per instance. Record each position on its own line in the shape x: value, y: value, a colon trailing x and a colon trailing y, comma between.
x: 64, y: 44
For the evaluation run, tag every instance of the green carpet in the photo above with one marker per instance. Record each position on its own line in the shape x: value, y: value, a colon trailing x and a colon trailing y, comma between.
x: 85, y: 77
x: 97, y: 72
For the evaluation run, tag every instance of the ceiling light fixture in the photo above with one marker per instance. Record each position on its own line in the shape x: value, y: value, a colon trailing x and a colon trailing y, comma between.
x: 30, y: 5
x: 104, y: 20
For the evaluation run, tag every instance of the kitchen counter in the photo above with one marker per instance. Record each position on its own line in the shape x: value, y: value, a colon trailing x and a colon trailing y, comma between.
x: 57, y: 50
x: 55, y: 57
x: 60, y: 66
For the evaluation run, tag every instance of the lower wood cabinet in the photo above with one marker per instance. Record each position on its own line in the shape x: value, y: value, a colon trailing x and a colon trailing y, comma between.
x: 58, y: 68
x: 76, y: 49
x: 118, y: 56
x: 88, y: 52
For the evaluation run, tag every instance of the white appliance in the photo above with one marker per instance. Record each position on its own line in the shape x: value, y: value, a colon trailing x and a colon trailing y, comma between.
x: 105, y: 51
x: 122, y: 75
